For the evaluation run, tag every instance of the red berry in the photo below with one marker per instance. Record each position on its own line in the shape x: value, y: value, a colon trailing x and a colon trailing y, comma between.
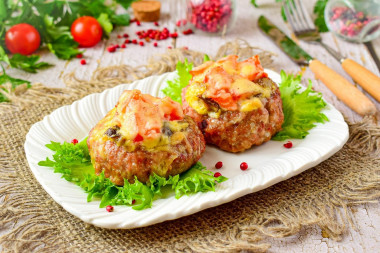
x: 127, y: 41
x: 83, y: 62
x: 169, y: 47
x: 74, y: 141
x: 134, y: 41
x: 244, y: 166
x: 289, y: 144
x: 141, y: 43
x: 178, y: 23
x: 156, y: 23
x: 219, y: 165
x: 217, y: 174
x: 109, y: 208
x: 119, y: 36
x: 155, y: 44
x: 79, y: 55
x: 125, y: 35
x: 174, y: 35
x: 133, y: 202
x: 123, y: 46
x: 117, y: 46
x: 138, y: 23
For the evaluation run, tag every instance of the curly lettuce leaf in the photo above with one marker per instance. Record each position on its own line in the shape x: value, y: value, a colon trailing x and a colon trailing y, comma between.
x: 174, y: 88
x: 74, y: 163
x: 301, y: 109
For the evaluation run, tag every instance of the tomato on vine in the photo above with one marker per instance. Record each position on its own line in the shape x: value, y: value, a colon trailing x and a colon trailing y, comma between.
x: 23, y: 39
x: 86, y: 31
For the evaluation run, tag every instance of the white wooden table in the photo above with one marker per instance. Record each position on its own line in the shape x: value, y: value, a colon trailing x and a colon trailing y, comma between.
x: 366, y: 238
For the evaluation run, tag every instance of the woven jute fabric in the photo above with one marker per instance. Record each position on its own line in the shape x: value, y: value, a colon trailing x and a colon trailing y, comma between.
x: 32, y: 221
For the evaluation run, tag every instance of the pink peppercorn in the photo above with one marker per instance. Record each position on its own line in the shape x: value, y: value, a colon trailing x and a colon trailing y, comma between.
x: 244, y: 166
x: 217, y: 174
x: 219, y: 165
x: 155, y: 44
x: 109, y: 208
x: 289, y: 144
x: 83, y: 62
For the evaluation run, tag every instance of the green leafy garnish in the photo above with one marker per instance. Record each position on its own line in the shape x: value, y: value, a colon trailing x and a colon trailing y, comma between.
x: 28, y: 63
x: 301, y: 109
x: 4, y: 78
x: 174, y: 88
x: 74, y: 163
x: 319, y: 11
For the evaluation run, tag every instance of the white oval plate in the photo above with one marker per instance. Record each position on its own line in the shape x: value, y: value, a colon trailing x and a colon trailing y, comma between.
x: 269, y: 163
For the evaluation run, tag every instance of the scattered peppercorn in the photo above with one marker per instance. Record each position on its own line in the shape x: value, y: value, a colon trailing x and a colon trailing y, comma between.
x: 217, y: 174
x: 244, y: 166
x: 289, y: 144
x: 219, y: 165
x: 109, y: 208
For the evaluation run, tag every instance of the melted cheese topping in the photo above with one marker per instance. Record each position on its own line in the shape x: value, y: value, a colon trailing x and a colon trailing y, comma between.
x: 229, y: 84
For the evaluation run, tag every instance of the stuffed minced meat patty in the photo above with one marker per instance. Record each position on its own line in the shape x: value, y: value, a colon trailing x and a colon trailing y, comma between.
x: 143, y: 135
x: 235, y: 104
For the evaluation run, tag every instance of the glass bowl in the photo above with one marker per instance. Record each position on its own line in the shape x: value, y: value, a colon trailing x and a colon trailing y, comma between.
x: 211, y: 16
x: 354, y: 20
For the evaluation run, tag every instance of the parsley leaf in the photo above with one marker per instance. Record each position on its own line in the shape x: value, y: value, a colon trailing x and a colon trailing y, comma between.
x: 301, y: 109
x: 319, y: 11
x: 28, y: 63
x: 174, y: 88
x: 74, y: 163
x: 4, y: 78
x: 105, y: 23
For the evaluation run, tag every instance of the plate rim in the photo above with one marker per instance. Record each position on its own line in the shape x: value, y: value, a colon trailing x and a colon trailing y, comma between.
x: 170, y: 216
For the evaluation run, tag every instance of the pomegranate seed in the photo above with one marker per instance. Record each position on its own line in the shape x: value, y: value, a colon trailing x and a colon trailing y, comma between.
x: 169, y: 47
x: 138, y: 23
x: 219, y: 165
x: 244, y: 166
x: 155, y: 44
x: 141, y: 43
x: 133, y: 202
x: 79, y: 55
x: 132, y: 20
x: 289, y: 144
x: 123, y: 46
x: 83, y: 62
x: 156, y: 23
x: 109, y: 208
x: 217, y: 174
x: 127, y: 41
x: 74, y: 141
x: 125, y: 35
x: 119, y: 36
x: 174, y: 35
x: 134, y: 41
x: 187, y: 32
x: 117, y: 46
x: 186, y: 48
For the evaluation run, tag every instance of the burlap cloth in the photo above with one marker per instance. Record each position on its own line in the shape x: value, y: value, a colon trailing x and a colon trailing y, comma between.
x: 32, y: 221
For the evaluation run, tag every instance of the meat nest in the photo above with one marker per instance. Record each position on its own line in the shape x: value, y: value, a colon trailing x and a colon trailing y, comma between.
x: 236, y: 131
x: 143, y: 135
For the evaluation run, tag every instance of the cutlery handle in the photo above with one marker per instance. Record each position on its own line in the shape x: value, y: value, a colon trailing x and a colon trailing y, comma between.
x: 343, y: 89
x: 365, y: 78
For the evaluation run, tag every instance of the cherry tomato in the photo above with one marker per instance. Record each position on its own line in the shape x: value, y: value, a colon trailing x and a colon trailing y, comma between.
x: 86, y: 31
x: 23, y: 39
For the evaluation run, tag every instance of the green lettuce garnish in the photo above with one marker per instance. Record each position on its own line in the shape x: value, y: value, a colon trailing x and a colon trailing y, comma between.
x: 301, y: 109
x: 74, y: 163
x: 174, y: 88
